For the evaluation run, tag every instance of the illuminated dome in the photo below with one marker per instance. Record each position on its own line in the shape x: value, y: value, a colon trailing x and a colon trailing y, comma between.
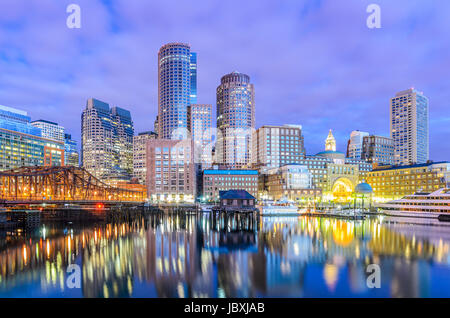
x: 363, y: 188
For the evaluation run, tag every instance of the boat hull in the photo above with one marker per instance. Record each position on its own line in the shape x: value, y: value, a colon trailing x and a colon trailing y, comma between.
x: 279, y: 211
x: 416, y: 214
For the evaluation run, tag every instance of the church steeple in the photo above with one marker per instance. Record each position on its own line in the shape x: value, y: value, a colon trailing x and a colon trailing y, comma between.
x: 330, y: 142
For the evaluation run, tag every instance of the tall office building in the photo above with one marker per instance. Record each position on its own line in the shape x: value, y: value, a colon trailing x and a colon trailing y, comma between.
x: 22, y: 144
x: 123, y: 132
x: 235, y: 120
x: 200, y: 126
x: 71, y: 155
x: 409, y: 127
x: 378, y: 149
x: 276, y: 146
x: 49, y: 129
x: 107, y: 141
x: 355, y: 143
x: 174, y: 90
x: 193, y: 77
x: 140, y: 155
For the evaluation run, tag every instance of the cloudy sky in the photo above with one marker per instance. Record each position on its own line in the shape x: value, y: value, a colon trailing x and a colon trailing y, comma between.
x: 313, y: 62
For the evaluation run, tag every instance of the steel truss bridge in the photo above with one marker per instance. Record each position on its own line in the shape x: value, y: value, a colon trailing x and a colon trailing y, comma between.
x: 60, y: 184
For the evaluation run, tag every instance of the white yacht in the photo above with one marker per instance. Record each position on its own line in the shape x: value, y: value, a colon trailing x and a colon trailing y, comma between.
x: 281, y: 207
x: 429, y: 205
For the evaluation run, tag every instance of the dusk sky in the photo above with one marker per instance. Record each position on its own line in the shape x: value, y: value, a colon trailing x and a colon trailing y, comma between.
x: 312, y: 62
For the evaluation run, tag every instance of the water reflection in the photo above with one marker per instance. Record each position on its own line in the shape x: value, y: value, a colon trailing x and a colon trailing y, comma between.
x: 200, y: 256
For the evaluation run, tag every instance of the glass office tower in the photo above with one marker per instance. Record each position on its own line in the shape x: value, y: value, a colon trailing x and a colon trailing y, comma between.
x: 409, y: 127
x: 193, y: 78
x: 174, y: 90
x: 72, y: 156
x: 21, y: 143
x: 235, y: 120
x: 107, y: 141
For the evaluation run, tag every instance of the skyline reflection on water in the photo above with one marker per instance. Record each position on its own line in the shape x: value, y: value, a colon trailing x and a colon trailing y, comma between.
x: 197, y: 256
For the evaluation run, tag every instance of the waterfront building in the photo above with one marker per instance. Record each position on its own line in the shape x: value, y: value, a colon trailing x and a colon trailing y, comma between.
x: 200, y: 126
x: 394, y: 182
x: 193, y: 77
x: 170, y: 170
x: 409, y: 127
x: 333, y: 173
x: 235, y: 120
x: 355, y: 144
x: 71, y: 156
x: 174, y: 90
x: 378, y: 150
x: 233, y: 200
x: 21, y: 144
x: 107, y: 141
x: 292, y: 182
x: 49, y: 129
x: 276, y: 146
x: 140, y: 155
x: 215, y: 180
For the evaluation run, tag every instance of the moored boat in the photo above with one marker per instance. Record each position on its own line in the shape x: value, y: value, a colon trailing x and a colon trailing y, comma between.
x: 282, y: 207
x: 420, y: 204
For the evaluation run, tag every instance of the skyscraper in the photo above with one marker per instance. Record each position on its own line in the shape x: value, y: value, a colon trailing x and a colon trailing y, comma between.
x: 409, y: 127
x: 200, y: 126
x: 107, y: 141
x: 193, y: 77
x: 174, y: 90
x: 354, y: 146
x: 235, y: 120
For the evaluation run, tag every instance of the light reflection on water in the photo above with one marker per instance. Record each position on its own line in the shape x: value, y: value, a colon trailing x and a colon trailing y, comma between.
x: 196, y: 256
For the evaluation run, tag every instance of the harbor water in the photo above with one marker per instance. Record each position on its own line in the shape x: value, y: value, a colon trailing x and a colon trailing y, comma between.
x: 198, y: 255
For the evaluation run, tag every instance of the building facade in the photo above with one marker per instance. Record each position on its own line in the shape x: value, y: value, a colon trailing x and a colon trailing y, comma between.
x: 50, y: 130
x: 235, y: 120
x: 107, y: 141
x: 200, y: 126
x: 333, y: 173
x: 174, y: 90
x: 71, y: 155
x: 292, y: 182
x: 215, y: 180
x: 193, y: 77
x: 140, y: 155
x: 409, y: 127
x: 355, y: 144
x: 391, y: 183
x: 275, y: 146
x: 378, y: 150
x: 21, y: 144
x: 171, y: 170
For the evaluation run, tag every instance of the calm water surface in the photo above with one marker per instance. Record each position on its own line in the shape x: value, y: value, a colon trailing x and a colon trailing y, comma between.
x: 196, y: 256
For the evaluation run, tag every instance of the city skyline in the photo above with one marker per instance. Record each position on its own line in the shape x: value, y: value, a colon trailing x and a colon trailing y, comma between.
x: 355, y: 80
